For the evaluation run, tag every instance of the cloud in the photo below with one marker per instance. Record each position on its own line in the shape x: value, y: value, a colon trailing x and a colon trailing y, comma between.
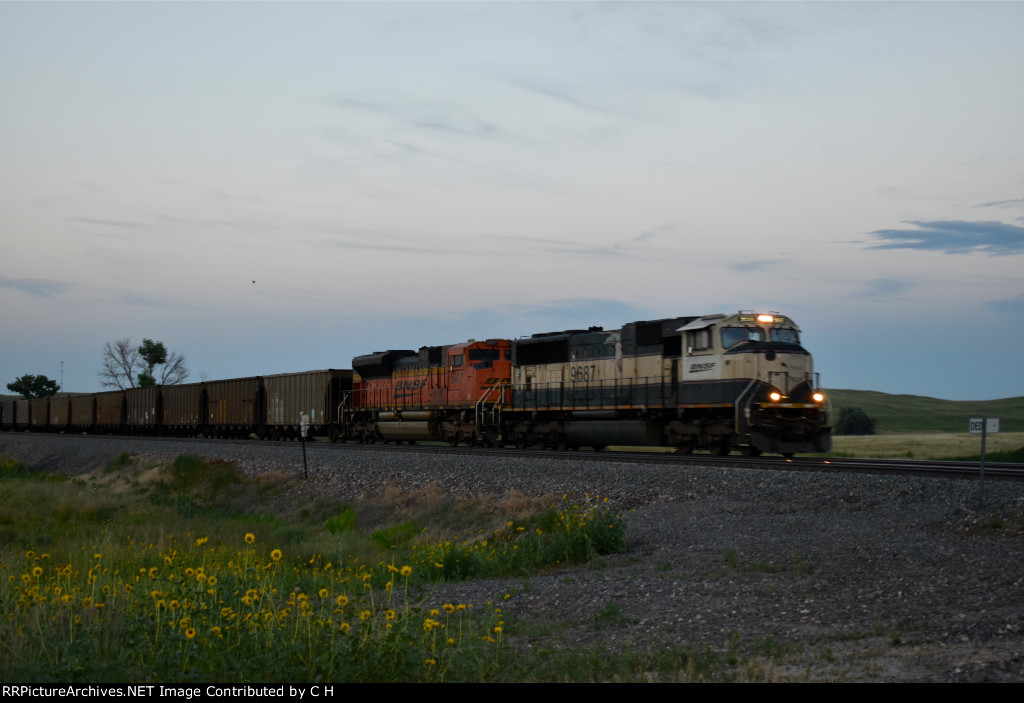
x: 36, y: 287
x: 1000, y: 203
x: 1014, y: 307
x: 756, y: 265
x: 885, y: 289
x: 112, y: 223
x: 955, y: 237
x: 654, y: 232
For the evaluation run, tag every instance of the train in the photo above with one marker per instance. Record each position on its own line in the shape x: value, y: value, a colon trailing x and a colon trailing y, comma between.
x: 721, y: 383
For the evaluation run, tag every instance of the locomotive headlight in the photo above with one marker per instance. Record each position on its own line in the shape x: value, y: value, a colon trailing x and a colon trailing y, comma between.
x: 765, y: 318
x: 818, y: 397
x: 775, y: 396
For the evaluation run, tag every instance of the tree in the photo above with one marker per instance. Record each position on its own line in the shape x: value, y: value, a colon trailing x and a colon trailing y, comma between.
x: 30, y: 386
x: 854, y: 421
x: 126, y: 365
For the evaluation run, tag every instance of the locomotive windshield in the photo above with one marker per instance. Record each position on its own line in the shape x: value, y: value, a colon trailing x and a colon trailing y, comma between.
x: 731, y: 336
x: 785, y: 335
x: 484, y: 354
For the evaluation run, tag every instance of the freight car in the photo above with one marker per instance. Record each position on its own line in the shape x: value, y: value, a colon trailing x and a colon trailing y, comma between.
x: 271, y: 407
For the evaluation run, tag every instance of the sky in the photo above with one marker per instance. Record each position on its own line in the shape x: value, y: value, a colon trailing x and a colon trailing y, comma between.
x: 272, y: 187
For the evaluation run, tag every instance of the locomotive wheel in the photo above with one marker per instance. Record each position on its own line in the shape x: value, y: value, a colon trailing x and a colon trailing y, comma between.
x: 520, y: 442
x: 750, y: 451
x: 723, y: 449
x: 684, y: 448
x: 788, y: 455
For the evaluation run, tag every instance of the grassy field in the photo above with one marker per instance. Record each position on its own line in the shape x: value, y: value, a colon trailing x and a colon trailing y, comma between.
x: 177, y: 573
x: 914, y: 413
x: 930, y: 445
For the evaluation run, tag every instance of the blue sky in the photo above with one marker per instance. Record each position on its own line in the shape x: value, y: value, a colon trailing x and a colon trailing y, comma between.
x: 272, y: 187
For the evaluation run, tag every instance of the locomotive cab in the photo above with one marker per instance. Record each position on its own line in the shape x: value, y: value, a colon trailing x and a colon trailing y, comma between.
x: 759, y: 360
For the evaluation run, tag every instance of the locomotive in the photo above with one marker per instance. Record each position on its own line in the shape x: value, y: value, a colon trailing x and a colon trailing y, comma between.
x: 718, y: 382
x: 715, y: 382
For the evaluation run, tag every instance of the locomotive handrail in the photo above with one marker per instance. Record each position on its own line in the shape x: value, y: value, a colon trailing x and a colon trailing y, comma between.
x: 644, y: 392
x: 740, y: 409
x: 342, y: 415
x: 481, y: 403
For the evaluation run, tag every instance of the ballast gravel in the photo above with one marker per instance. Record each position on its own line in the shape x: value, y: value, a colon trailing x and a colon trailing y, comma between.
x: 810, y: 576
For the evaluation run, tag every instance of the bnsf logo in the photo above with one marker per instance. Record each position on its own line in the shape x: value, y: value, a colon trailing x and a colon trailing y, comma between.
x: 410, y: 385
x: 706, y: 366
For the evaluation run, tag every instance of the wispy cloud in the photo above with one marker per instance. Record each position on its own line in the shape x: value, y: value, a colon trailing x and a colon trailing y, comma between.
x: 756, y: 265
x: 954, y: 237
x: 112, y: 223
x: 1000, y: 203
x: 885, y: 289
x: 36, y: 287
x: 656, y: 232
x: 1013, y: 307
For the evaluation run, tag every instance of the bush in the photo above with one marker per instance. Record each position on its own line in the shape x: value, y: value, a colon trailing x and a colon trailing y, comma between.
x: 854, y: 421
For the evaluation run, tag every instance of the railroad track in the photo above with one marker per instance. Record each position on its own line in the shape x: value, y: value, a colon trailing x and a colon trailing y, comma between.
x: 906, y: 467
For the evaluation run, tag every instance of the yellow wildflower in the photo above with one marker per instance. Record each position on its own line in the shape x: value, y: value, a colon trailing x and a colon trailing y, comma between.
x: 276, y: 555
x: 249, y: 538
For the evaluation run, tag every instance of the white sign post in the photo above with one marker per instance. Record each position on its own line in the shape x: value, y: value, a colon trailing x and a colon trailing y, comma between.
x: 303, y: 430
x: 983, y: 426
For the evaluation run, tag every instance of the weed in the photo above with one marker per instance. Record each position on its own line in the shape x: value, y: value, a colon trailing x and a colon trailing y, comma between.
x: 342, y: 522
x: 610, y: 616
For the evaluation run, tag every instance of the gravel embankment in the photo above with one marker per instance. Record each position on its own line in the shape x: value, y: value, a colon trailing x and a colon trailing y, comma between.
x: 828, y: 576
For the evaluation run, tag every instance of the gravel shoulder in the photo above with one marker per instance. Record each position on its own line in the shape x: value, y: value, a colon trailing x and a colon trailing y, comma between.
x: 819, y: 577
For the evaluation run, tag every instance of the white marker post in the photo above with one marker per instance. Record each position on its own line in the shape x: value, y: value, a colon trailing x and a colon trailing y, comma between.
x: 303, y: 430
x: 983, y: 426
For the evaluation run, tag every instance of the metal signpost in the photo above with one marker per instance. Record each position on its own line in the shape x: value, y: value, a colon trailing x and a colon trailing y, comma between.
x: 983, y: 426
x: 303, y: 430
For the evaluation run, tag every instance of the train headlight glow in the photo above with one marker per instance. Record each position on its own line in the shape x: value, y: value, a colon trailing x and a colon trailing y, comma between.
x: 818, y: 397
x: 765, y: 318
x: 775, y: 396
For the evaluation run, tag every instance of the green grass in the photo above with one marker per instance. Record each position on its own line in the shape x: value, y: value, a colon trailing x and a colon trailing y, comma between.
x: 913, y: 413
x: 178, y: 573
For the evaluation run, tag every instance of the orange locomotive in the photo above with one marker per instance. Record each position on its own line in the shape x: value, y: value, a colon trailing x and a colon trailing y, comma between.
x: 449, y: 393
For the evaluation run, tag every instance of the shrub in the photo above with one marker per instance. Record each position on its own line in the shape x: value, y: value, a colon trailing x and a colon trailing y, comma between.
x: 854, y: 421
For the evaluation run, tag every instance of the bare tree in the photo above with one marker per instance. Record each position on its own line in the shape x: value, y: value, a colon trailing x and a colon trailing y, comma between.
x: 119, y: 361
x: 126, y: 365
